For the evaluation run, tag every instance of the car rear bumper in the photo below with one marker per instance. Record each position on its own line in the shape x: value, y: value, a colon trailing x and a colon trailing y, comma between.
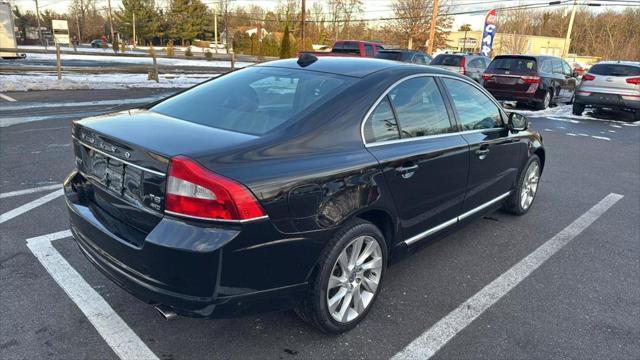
x: 606, y: 100
x: 521, y: 96
x: 195, y: 269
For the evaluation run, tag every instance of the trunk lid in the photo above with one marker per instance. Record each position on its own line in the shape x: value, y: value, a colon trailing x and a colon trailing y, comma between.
x: 125, y: 157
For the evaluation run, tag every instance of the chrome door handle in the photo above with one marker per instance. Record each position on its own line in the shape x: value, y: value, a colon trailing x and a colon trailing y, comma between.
x: 406, y: 171
x: 482, y: 153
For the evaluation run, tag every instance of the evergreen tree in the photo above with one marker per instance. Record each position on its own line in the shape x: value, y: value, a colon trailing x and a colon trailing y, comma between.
x: 148, y: 19
x: 285, y: 46
x: 187, y: 19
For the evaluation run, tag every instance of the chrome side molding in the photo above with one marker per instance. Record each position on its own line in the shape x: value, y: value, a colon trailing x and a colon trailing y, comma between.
x: 455, y: 220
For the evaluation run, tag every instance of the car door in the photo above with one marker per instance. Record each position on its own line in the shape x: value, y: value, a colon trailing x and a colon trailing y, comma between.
x: 569, y: 86
x: 560, y: 81
x: 425, y: 163
x: 495, y: 155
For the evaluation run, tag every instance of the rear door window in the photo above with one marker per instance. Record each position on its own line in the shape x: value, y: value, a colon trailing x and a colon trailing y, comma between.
x: 254, y: 100
x: 547, y: 67
x: 615, y: 70
x: 475, y: 110
x: 420, y: 108
x: 447, y: 60
x: 346, y: 47
x: 566, y: 69
x: 368, y: 49
x: 419, y: 59
x: 513, y: 65
x: 557, y: 66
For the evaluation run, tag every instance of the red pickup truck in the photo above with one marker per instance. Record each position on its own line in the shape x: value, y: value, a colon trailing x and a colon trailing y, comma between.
x: 354, y: 48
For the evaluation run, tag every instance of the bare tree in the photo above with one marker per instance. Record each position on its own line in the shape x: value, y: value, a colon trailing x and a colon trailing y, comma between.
x: 413, y: 21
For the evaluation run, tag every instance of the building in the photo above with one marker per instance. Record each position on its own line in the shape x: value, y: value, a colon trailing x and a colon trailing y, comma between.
x: 506, y: 43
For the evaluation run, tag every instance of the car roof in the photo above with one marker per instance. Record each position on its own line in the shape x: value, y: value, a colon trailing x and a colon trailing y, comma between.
x: 351, y: 66
x: 348, y: 66
x: 621, y: 62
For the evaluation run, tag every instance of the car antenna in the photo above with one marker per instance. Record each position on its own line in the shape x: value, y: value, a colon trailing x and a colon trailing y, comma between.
x: 306, y: 59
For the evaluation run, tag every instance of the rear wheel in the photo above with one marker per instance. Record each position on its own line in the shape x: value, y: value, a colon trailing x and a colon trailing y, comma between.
x: 348, y: 278
x: 577, y: 109
x: 520, y: 201
x: 546, y: 101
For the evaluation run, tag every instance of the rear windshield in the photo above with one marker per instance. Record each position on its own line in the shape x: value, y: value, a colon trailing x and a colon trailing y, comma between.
x: 389, y: 55
x: 615, y: 70
x: 254, y: 100
x: 447, y: 60
x: 513, y: 64
x: 346, y: 48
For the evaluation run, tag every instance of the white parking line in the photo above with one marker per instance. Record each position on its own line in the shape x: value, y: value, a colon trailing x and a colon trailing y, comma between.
x: 6, y: 97
x: 432, y: 340
x: 30, y: 205
x: 118, y: 335
x: 29, y: 191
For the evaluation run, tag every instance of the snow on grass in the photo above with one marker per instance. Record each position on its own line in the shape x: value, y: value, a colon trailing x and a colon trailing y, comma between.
x: 36, y: 81
x: 135, y: 60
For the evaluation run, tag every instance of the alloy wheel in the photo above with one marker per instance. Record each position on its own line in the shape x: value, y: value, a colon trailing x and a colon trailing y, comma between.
x: 547, y: 99
x: 529, y: 185
x: 354, y: 279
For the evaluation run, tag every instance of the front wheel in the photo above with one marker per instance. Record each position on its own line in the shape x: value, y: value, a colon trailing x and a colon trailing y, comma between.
x: 577, y: 109
x: 347, y: 280
x: 520, y: 201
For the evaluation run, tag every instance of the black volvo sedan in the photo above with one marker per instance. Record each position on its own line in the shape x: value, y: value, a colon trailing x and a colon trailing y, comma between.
x: 291, y: 184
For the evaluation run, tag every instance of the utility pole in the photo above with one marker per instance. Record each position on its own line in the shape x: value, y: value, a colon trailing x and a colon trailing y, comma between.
x: 134, y: 29
x: 432, y: 33
x: 38, y: 20
x: 78, y: 28
x: 215, y: 26
x: 567, y: 40
x: 82, y: 17
x: 111, y: 22
x: 304, y: 15
x: 226, y: 25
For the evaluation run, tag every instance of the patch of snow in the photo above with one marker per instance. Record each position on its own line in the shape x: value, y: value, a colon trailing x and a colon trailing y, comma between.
x: 36, y: 81
x: 135, y: 60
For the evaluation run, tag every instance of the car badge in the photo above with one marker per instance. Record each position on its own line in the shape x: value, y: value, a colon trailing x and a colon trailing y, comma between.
x: 127, y: 154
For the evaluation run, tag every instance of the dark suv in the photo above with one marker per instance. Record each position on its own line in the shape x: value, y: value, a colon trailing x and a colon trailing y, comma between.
x: 534, y: 80
x: 292, y: 183
x: 471, y: 65
x: 408, y: 56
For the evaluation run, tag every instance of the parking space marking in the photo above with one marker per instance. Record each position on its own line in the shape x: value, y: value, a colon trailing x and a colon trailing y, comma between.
x: 8, y: 98
x: 30, y: 205
x: 438, y: 335
x: 29, y: 191
x: 118, y: 335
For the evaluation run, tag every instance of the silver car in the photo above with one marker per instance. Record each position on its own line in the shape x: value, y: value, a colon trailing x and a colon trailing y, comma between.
x: 466, y: 64
x: 610, y: 84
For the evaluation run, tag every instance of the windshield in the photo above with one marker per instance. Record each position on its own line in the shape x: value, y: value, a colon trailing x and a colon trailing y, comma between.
x: 615, y: 70
x: 389, y: 55
x: 447, y: 60
x: 254, y: 100
x: 514, y: 64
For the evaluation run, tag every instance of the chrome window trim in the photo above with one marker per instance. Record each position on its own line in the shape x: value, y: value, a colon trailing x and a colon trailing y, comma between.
x: 413, y: 76
x: 216, y: 220
x: 455, y: 220
x: 119, y: 159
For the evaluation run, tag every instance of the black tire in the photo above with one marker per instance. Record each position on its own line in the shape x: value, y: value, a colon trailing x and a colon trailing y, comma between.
x: 577, y: 109
x: 544, y: 104
x: 513, y: 204
x: 314, y: 308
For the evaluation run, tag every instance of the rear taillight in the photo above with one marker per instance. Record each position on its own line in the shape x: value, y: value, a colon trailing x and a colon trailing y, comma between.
x: 194, y: 191
x: 487, y: 77
x: 634, y: 81
x: 588, y: 77
x: 463, y: 63
x: 530, y: 79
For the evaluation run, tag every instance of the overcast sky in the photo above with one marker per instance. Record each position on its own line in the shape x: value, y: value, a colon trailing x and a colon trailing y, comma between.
x: 372, y: 8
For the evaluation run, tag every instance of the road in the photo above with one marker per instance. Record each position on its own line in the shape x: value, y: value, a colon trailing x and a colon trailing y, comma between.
x: 581, y: 302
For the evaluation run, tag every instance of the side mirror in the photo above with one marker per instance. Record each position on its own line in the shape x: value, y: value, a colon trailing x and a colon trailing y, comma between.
x: 517, y: 122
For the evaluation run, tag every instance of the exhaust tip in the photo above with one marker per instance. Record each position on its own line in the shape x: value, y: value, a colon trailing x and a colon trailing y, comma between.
x: 166, y: 312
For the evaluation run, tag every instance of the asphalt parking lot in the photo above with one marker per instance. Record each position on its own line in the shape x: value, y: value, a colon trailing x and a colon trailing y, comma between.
x: 578, y: 298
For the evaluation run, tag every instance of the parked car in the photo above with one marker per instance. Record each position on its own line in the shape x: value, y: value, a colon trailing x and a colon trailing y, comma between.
x: 97, y: 43
x: 349, y: 48
x: 610, y: 84
x: 291, y: 184
x: 409, y: 56
x: 534, y: 80
x: 466, y: 64
x: 577, y: 69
